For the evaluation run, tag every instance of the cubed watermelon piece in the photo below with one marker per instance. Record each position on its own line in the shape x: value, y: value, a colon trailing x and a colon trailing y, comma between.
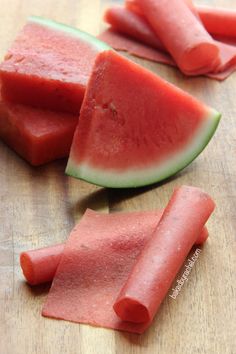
x: 48, y: 66
x: 39, y: 136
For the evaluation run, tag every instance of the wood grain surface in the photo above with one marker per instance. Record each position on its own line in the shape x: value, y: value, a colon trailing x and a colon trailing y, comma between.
x: 39, y: 206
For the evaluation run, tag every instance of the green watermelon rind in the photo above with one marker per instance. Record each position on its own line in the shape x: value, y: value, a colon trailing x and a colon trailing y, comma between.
x: 100, y: 46
x: 149, y: 175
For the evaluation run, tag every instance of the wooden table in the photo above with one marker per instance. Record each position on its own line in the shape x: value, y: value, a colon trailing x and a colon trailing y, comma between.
x: 39, y: 206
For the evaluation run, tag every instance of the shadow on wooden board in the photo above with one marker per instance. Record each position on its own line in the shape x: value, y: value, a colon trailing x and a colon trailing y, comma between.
x: 116, y: 196
x: 95, y: 201
x: 36, y: 290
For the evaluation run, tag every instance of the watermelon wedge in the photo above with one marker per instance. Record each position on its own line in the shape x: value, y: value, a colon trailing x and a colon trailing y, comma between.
x: 48, y: 66
x: 135, y: 128
x: 39, y: 136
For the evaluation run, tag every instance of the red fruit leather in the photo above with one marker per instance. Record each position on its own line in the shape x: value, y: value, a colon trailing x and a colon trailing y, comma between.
x: 97, y: 260
x: 132, y: 22
x: 40, y: 265
x: 163, y: 255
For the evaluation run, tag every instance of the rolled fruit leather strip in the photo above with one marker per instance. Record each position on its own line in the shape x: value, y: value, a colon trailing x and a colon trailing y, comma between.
x: 129, y: 23
x: 163, y: 255
x: 122, y: 42
x: 216, y: 20
x: 193, y: 49
x: 141, y: 30
x: 40, y: 265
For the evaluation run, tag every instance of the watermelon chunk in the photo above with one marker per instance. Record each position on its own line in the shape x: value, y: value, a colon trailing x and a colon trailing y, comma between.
x: 135, y: 128
x: 48, y: 66
x: 39, y: 136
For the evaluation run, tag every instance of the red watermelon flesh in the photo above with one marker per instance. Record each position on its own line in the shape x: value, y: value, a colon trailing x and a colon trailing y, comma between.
x: 96, y: 262
x: 135, y: 128
x: 48, y: 66
x: 39, y: 136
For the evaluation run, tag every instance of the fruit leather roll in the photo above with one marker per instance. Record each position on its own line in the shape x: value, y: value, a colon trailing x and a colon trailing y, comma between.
x: 163, y: 255
x: 185, y: 38
x: 40, y: 265
x: 130, y: 23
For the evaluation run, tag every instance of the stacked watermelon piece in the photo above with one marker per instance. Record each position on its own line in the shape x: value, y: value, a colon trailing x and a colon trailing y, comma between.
x: 43, y: 79
x: 131, y: 127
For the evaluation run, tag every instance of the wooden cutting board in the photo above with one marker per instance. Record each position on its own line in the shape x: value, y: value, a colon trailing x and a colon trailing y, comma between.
x: 39, y: 206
